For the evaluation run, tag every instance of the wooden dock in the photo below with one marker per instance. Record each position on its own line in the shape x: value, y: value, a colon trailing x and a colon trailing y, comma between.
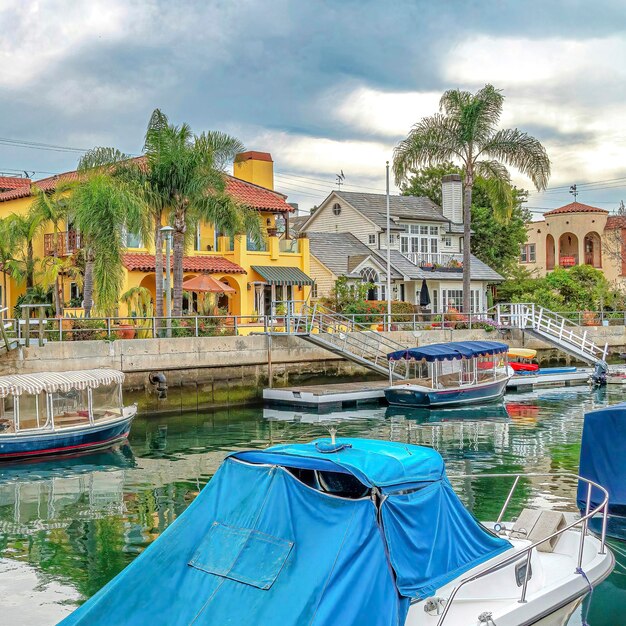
x: 334, y: 396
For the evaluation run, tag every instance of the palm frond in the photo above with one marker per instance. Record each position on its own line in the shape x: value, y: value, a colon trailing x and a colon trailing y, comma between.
x: 522, y: 151
x: 158, y: 121
x: 221, y: 146
x: 432, y: 140
x: 497, y: 184
x: 101, y: 156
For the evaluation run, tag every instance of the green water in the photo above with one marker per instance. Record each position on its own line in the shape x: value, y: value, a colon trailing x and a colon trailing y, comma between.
x: 73, y: 524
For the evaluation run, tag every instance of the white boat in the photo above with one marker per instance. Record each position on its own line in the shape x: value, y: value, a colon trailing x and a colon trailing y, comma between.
x: 354, y: 531
x: 450, y: 374
x: 52, y: 413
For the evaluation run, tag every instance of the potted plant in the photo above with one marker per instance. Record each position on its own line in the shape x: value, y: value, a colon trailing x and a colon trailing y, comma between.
x: 138, y: 301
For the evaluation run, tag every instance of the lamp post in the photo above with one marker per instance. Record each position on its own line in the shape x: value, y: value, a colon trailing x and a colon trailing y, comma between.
x: 388, y: 255
x: 167, y: 231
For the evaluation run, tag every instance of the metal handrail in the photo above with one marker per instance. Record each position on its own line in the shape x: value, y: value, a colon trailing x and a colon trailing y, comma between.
x: 528, y: 549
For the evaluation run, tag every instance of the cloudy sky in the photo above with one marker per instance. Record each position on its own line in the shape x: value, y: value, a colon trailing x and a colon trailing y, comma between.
x: 323, y: 85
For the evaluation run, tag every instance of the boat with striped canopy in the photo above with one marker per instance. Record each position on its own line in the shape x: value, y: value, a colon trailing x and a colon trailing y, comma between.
x: 51, y: 413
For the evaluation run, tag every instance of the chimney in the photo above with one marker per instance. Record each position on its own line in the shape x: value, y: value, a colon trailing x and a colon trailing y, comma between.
x: 452, y: 197
x: 255, y: 167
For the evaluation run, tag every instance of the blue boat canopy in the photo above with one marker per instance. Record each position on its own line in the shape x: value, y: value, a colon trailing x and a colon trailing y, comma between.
x: 285, y: 536
x: 603, y: 457
x: 451, y: 351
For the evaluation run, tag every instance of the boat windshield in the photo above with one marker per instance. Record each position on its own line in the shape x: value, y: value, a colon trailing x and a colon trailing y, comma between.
x: 106, y: 401
x: 7, y: 414
x: 69, y: 408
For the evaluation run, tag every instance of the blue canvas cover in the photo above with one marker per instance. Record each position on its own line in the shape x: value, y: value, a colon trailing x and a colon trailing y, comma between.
x: 258, y: 547
x: 454, y: 350
x: 603, y: 457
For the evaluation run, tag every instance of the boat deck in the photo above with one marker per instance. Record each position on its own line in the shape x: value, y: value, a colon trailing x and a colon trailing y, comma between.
x: 333, y: 396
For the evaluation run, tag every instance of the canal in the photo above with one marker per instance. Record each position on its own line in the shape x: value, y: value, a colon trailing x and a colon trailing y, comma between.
x: 68, y: 526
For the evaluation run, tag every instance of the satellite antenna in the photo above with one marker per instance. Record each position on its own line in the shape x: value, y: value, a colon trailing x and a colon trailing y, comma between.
x: 340, y: 178
x: 574, y: 192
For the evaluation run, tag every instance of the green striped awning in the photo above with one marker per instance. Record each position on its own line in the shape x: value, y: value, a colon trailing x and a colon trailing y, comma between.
x: 283, y: 275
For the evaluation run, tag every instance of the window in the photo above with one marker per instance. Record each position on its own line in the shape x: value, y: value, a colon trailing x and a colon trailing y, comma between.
x: 336, y: 209
x: 369, y: 275
x: 447, y: 242
x: 314, y: 290
x: 434, y: 230
x: 197, y: 242
x: 453, y: 299
x: 132, y: 240
x: 422, y: 241
x: 528, y: 253
x: 372, y: 239
x: 75, y: 294
x: 435, y: 300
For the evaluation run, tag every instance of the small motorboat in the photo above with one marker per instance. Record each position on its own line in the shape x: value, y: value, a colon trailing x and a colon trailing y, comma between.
x: 450, y: 374
x: 603, y: 459
x: 351, y: 531
x: 53, y: 413
x: 521, y: 360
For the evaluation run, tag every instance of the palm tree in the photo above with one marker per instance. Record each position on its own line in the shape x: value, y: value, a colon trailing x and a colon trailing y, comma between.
x: 51, y: 208
x: 185, y: 176
x: 465, y: 130
x: 103, y: 207
x: 19, y: 231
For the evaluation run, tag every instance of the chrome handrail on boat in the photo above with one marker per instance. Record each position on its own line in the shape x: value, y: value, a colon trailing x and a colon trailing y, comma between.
x: 528, y: 550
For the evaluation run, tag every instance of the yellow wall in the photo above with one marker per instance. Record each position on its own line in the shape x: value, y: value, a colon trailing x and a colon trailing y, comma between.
x: 241, y: 303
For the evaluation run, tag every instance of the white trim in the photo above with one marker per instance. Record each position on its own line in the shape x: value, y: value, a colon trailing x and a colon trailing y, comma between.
x: 326, y: 203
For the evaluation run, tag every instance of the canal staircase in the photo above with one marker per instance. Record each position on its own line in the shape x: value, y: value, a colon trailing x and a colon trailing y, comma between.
x: 6, y: 344
x: 344, y: 337
x: 553, y: 328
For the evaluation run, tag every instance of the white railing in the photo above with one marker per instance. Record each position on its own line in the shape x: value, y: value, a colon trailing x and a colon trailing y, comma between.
x: 560, y: 330
x: 526, y: 552
x: 435, y: 259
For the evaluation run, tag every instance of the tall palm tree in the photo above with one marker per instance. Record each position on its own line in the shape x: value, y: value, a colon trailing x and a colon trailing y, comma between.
x: 51, y: 208
x: 185, y: 172
x: 103, y: 208
x: 465, y: 130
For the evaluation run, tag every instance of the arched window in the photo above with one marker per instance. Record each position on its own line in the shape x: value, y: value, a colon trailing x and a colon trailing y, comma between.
x: 550, y: 252
x: 370, y: 276
x: 593, y: 249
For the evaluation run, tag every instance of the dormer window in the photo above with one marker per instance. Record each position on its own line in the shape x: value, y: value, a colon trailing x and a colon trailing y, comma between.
x: 336, y: 208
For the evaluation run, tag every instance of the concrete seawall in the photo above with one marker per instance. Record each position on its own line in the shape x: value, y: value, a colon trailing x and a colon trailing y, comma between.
x: 205, y: 372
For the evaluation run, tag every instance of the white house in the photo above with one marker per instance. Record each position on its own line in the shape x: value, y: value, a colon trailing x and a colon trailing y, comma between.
x: 348, y: 237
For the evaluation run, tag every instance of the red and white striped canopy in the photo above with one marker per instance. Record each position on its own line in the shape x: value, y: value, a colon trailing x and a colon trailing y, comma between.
x: 52, y: 382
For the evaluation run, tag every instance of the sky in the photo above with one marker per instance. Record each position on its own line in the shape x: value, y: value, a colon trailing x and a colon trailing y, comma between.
x: 325, y: 86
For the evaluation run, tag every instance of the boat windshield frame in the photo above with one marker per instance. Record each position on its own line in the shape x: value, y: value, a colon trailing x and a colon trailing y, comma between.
x: 525, y: 552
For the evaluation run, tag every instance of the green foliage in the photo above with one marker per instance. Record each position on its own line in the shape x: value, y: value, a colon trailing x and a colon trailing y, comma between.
x: 86, y: 330
x: 496, y: 239
x: 34, y: 295
x: 580, y: 288
x: 345, y: 294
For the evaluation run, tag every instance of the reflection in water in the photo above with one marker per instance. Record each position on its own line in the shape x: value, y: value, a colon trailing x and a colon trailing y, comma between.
x: 78, y: 522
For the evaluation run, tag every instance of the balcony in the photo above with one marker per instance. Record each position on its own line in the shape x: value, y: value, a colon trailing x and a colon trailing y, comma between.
x: 66, y: 242
x: 436, y: 261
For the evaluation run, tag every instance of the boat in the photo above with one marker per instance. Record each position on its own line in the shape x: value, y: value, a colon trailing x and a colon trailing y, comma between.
x: 603, y: 458
x: 450, y: 374
x: 52, y: 413
x: 351, y: 531
x: 521, y: 360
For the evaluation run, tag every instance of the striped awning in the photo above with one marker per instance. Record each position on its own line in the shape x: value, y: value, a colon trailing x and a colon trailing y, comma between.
x: 57, y: 381
x: 283, y: 275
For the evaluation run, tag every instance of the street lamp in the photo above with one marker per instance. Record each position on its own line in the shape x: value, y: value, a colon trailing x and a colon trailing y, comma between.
x: 388, y: 251
x: 167, y: 231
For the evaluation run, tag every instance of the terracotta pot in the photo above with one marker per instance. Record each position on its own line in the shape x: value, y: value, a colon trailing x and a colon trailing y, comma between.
x: 125, y: 331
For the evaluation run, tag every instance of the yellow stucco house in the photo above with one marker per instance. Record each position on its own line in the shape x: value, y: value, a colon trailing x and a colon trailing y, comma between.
x: 276, y: 270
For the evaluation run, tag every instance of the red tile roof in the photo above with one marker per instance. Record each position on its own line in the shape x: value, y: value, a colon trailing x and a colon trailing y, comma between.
x: 13, y: 182
x: 614, y: 222
x: 207, y: 264
x: 257, y: 197
x: 575, y: 207
x: 252, y: 195
x: 253, y: 154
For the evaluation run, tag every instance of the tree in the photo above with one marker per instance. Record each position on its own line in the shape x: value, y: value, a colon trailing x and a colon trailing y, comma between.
x: 465, y: 130
x: 51, y: 208
x: 19, y: 232
x: 103, y: 208
x: 185, y: 176
x: 496, y: 239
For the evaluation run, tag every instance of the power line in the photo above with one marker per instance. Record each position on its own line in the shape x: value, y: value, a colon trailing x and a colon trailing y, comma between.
x: 36, y: 145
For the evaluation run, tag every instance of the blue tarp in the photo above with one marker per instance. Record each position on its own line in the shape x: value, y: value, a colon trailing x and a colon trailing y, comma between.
x: 453, y: 350
x: 603, y: 457
x: 257, y: 547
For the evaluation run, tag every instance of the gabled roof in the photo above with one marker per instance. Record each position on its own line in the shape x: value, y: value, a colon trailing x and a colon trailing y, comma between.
x: 13, y: 182
x: 342, y: 252
x: 208, y: 264
x: 374, y: 207
x: 614, y: 222
x: 575, y: 207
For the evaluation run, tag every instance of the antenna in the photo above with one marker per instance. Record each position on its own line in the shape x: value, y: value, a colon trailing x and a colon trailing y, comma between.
x: 340, y: 178
x: 574, y: 192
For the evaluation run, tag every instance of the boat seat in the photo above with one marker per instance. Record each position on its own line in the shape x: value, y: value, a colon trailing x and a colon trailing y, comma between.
x: 536, y: 524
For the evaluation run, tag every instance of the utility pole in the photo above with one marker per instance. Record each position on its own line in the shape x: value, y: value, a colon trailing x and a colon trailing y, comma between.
x: 388, y: 255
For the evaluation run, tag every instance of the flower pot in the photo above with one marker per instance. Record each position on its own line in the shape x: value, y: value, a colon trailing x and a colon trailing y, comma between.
x: 125, y: 331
